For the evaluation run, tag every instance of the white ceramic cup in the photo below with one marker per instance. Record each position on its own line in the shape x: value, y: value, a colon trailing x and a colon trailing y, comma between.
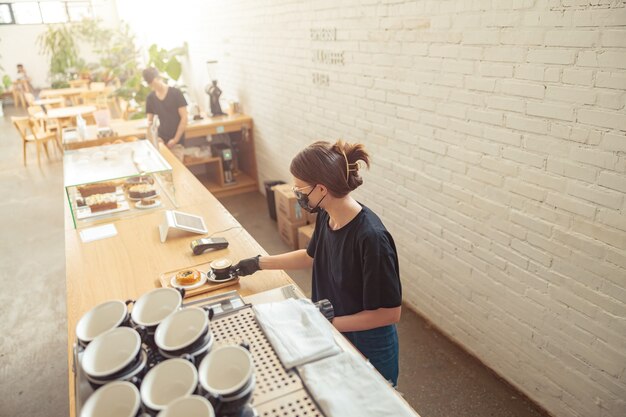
x: 226, y: 370
x: 168, y: 381
x: 119, y: 398
x: 181, y: 328
x: 111, y: 352
x: 101, y: 318
x: 191, y: 406
x: 154, y: 306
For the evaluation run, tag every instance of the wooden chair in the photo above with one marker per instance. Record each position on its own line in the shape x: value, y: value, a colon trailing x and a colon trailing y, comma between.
x: 31, y: 134
x: 97, y: 86
x: 19, y: 88
x: 80, y: 83
x: 123, y: 108
x: 97, y: 98
x: 45, y: 125
x: 29, y: 98
x: 32, y: 110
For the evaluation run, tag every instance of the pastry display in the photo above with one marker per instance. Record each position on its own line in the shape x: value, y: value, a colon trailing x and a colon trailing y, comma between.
x: 188, y: 277
x: 101, y: 202
x: 98, y: 188
x: 80, y: 202
x: 142, y: 191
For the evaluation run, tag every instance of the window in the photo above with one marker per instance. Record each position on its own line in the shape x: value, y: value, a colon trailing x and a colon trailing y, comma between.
x: 6, y: 17
x: 53, y: 12
x: 26, y: 12
x: 37, y: 12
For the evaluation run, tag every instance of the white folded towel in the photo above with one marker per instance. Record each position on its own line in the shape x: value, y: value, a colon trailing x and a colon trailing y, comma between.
x: 345, y: 385
x: 298, y: 332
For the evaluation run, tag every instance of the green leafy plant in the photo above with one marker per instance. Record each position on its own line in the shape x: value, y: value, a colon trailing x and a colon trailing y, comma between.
x: 6, y: 83
x: 166, y: 61
x: 59, y: 43
x: 119, y: 58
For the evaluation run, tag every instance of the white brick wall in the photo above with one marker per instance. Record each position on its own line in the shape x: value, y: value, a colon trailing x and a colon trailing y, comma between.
x: 498, y: 132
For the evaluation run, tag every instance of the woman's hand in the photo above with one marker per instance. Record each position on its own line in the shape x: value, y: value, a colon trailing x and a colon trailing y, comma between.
x: 247, y: 266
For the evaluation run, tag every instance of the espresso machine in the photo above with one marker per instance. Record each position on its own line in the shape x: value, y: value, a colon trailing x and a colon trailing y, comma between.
x: 225, y: 152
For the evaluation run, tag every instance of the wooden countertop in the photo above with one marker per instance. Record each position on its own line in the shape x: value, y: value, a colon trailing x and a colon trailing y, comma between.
x: 129, y: 264
x: 138, y: 128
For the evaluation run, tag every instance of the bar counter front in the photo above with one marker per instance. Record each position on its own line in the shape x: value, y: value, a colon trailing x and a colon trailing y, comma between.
x: 130, y: 263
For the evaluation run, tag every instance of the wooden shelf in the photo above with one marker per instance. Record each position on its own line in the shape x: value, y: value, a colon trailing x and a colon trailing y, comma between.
x: 210, y: 170
x: 193, y: 161
x: 244, y: 183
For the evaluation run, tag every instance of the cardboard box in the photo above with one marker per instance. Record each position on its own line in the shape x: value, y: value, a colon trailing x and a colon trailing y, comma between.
x: 287, y: 204
x: 304, y: 235
x: 289, y: 230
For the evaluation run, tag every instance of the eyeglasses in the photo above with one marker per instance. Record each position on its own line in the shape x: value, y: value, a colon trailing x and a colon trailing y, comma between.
x: 298, y: 191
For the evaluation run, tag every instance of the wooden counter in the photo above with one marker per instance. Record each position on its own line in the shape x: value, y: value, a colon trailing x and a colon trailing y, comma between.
x: 129, y: 264
x: 123, y: 129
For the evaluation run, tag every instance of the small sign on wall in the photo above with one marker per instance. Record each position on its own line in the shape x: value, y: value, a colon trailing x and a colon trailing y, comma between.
x: 324, y: 56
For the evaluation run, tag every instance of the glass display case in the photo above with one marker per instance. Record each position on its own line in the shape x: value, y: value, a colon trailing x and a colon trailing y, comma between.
x: 106, y: 183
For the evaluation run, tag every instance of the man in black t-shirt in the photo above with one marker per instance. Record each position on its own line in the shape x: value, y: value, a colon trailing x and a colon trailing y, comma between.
x: 169, y: 104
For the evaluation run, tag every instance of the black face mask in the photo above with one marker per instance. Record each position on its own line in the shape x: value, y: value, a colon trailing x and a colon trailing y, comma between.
x: 303, y: 200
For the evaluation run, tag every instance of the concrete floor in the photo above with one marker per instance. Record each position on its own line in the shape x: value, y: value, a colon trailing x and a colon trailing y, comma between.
x: 437, y: 377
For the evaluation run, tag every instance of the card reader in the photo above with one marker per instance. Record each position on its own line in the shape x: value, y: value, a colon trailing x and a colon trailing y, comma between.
x: 202, y: 245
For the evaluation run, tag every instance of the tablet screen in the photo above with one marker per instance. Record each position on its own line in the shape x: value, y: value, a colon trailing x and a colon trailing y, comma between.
x: 188, y: 221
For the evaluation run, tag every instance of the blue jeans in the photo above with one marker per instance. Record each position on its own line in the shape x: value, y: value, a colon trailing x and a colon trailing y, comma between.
x: 380, y: 346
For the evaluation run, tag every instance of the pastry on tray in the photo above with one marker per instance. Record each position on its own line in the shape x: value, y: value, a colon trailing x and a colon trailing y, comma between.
x: 101, y: 202
x: 141, y: 179
x: 98, y: 188
x: 188, y: 277
x: 148, y: 201
x: 142, y: 191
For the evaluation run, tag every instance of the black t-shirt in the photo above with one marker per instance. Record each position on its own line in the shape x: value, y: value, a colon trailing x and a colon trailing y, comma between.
x: 355, y: 267
x: 167, y: 110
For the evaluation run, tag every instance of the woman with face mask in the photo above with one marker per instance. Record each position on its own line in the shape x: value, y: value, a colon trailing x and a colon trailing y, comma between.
x: 353, y: 256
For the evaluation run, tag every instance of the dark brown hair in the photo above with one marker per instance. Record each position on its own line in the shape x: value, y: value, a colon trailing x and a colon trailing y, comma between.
x: 333, y: 165
x: 149, y: 74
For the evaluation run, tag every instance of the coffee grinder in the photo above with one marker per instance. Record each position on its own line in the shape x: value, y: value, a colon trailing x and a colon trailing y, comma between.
x: 226, y: 154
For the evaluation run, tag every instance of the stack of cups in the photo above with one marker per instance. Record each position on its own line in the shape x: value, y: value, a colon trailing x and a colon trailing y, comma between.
x: 227, y: 378
x: 115, y: 362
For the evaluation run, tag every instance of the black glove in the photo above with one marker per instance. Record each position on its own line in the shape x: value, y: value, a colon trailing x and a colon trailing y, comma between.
x: 247, y: 266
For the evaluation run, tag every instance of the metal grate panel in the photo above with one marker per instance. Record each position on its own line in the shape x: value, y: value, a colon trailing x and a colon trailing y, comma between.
x: 272, y: 380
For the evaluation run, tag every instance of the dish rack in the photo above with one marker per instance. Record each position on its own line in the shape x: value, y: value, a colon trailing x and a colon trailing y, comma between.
x: 278, y: 392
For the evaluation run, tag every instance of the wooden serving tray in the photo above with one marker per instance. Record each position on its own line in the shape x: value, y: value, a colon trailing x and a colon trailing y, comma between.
x: 166, y: 278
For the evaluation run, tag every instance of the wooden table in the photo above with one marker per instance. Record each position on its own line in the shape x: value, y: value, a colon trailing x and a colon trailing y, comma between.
x: 48, y: 101
x: 129, y: 264
x: 61, y: 92
x: 65, y: 112
x: 195, y: 129
x: 218, y: 124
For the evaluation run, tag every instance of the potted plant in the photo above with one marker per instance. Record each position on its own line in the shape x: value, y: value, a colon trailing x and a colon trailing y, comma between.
x: 5, y: 86
x: 59, y: 43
